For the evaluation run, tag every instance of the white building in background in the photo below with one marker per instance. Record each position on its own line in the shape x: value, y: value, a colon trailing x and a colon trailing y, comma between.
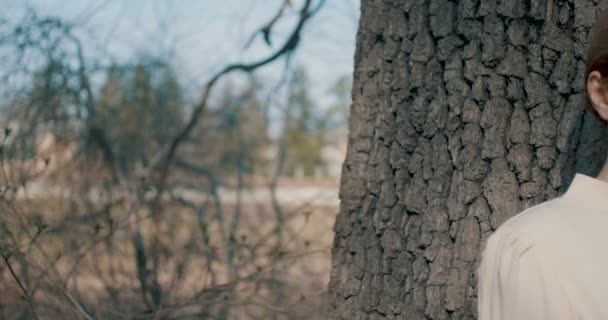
x: 334, y: 152
x: 333, y: 157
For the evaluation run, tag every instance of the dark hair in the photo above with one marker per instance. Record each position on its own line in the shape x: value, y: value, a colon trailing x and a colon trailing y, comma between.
x: 597, y: 54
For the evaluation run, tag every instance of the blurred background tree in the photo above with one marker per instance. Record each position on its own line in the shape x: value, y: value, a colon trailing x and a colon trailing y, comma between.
x: 303, y: 128
x: 141, y: 108
x: 237, y: 132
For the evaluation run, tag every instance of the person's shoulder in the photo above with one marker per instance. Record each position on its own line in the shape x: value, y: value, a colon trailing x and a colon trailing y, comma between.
x: 531, y: 226
x: 537, y: 216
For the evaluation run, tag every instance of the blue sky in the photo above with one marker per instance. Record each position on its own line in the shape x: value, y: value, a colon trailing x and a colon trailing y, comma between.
x: 201, y: 36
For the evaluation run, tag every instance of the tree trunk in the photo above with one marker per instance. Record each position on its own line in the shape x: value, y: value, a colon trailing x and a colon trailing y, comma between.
x: 464, y: 113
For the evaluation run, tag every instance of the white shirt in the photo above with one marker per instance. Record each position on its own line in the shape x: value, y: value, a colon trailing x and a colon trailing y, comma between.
x: 550, y: 262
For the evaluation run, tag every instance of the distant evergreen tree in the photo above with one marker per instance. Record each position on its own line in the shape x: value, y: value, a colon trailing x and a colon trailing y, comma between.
x: 237, y: 129
x: 336, y: 115
x: 168, y: 113
x: 302, y: 130
x: 141, y: 108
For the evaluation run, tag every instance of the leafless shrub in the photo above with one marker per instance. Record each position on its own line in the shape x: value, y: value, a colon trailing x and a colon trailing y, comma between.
x: 89, y: 230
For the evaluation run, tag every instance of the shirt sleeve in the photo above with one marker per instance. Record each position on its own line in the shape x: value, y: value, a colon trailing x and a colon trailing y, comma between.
x: 513, y: 284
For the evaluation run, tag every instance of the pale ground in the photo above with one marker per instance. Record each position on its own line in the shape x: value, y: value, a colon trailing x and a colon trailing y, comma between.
x: 312, y: 206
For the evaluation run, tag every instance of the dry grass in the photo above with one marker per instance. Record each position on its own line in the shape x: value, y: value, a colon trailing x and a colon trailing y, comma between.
x: 84, y: 252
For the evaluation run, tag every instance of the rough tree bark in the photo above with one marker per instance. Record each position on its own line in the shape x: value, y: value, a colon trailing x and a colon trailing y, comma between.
x: 464, y: 113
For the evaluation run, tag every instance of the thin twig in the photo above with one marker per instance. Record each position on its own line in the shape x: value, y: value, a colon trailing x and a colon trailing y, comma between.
x: 25, y: 292
x: 267, y: 28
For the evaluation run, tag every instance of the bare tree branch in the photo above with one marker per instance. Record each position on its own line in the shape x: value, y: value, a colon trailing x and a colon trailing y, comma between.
x: 267, y: 28
x: 286, y: 49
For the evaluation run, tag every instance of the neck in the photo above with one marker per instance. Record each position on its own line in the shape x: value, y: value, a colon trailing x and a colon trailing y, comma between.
x: 604, y: 173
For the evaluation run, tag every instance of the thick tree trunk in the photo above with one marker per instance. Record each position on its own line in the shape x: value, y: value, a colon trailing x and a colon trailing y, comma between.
x: 464, y: 113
